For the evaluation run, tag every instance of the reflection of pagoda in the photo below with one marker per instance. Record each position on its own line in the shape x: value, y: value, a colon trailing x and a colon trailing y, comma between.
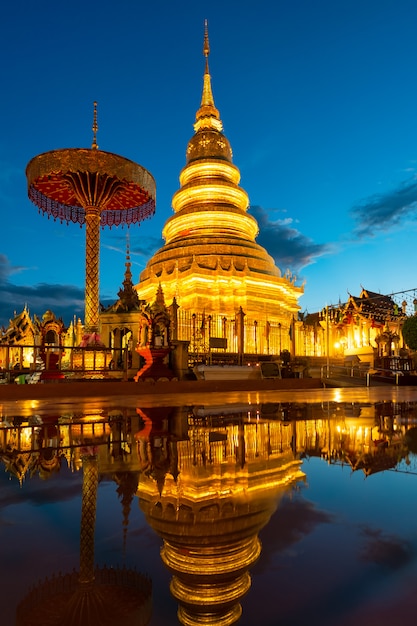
x: 230, y: 480
x: 94, y: 595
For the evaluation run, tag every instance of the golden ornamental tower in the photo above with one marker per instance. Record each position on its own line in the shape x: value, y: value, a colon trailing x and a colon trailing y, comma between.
x: 211, y: 262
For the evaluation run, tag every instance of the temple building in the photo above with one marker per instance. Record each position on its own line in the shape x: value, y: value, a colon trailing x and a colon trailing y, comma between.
x: 210, y: 262
x: 367, y: 326
x: 18, y: 341
x: 119, y: 323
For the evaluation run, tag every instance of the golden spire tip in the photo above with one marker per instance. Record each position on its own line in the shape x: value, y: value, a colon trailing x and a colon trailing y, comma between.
x: 206, y: 49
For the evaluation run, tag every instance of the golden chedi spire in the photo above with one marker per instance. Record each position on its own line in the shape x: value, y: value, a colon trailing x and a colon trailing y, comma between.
x: 211, y: 260
x: 207, y: 115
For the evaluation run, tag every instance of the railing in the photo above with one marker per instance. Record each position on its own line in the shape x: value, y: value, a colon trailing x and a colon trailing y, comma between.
x: 362, y: 372
x: 18, y: 362
x: 391, y: 374
x: 349, y: 371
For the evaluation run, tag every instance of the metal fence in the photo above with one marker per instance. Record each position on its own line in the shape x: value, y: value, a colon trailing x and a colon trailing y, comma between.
x: 235, y: 334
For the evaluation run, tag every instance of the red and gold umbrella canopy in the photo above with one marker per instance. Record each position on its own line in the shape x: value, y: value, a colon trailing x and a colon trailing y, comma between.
x: 65, y: 183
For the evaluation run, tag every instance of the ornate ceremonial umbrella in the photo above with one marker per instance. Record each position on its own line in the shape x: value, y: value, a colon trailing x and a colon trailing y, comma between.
x: 92, y: 187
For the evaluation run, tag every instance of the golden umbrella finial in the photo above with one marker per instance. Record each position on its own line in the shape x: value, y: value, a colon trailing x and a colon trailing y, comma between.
x: 95, y: 128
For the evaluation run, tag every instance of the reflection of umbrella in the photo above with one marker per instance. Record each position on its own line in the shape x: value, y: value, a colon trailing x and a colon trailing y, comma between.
x: 94, y: 596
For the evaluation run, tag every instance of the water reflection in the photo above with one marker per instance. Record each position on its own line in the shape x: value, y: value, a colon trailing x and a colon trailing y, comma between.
x: 208, y: 480
x: 93, y: 595
x: 209, y: 487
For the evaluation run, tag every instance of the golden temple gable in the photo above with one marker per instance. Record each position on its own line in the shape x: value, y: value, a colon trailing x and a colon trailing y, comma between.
x: 367, y: 326
x: 210, y: 262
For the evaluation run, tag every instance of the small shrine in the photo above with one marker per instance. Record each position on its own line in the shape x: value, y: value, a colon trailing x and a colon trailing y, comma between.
x: 119, y: 325
x: 154, y: 346
x: 31, y: 343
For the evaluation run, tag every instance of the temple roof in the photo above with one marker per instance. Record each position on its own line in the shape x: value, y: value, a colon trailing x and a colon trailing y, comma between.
x: 21, y: 327
x: 373, y: 305
x: 128, y: 296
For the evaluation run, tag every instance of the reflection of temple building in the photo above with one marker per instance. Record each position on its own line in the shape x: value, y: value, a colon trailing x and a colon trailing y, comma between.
x: 211, y: 263
x: 370, y: 438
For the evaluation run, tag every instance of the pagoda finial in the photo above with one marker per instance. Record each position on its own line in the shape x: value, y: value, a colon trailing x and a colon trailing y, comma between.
x: 160, y: 296
x: 206, y: 48
x: 95, y: 128
x: 128, y: 273
x: 128, y: 296
x: 207, y: 116
x: 127, y: 247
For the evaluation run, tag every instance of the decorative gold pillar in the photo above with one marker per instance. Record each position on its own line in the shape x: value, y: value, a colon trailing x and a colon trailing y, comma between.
x: 92, y: 263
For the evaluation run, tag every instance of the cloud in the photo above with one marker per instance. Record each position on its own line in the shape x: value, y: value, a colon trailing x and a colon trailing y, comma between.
x: 384, y: 211
x: 147, y: 247
x: 64, y: 300
x: 287, y: 245
x: 144, y: 247
x: 63, y: 487
x: 294, y: 519
x: 386, y: 551
x: 7, y: 270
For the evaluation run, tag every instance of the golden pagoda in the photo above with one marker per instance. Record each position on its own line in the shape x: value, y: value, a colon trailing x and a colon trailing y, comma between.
x: 210, y: 262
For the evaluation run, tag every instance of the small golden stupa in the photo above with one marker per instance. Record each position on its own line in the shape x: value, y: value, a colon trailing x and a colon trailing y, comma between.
x: 210, y: 262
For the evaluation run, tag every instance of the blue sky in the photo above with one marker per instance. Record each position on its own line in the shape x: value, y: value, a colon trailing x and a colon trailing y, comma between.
x: 318, y: 100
